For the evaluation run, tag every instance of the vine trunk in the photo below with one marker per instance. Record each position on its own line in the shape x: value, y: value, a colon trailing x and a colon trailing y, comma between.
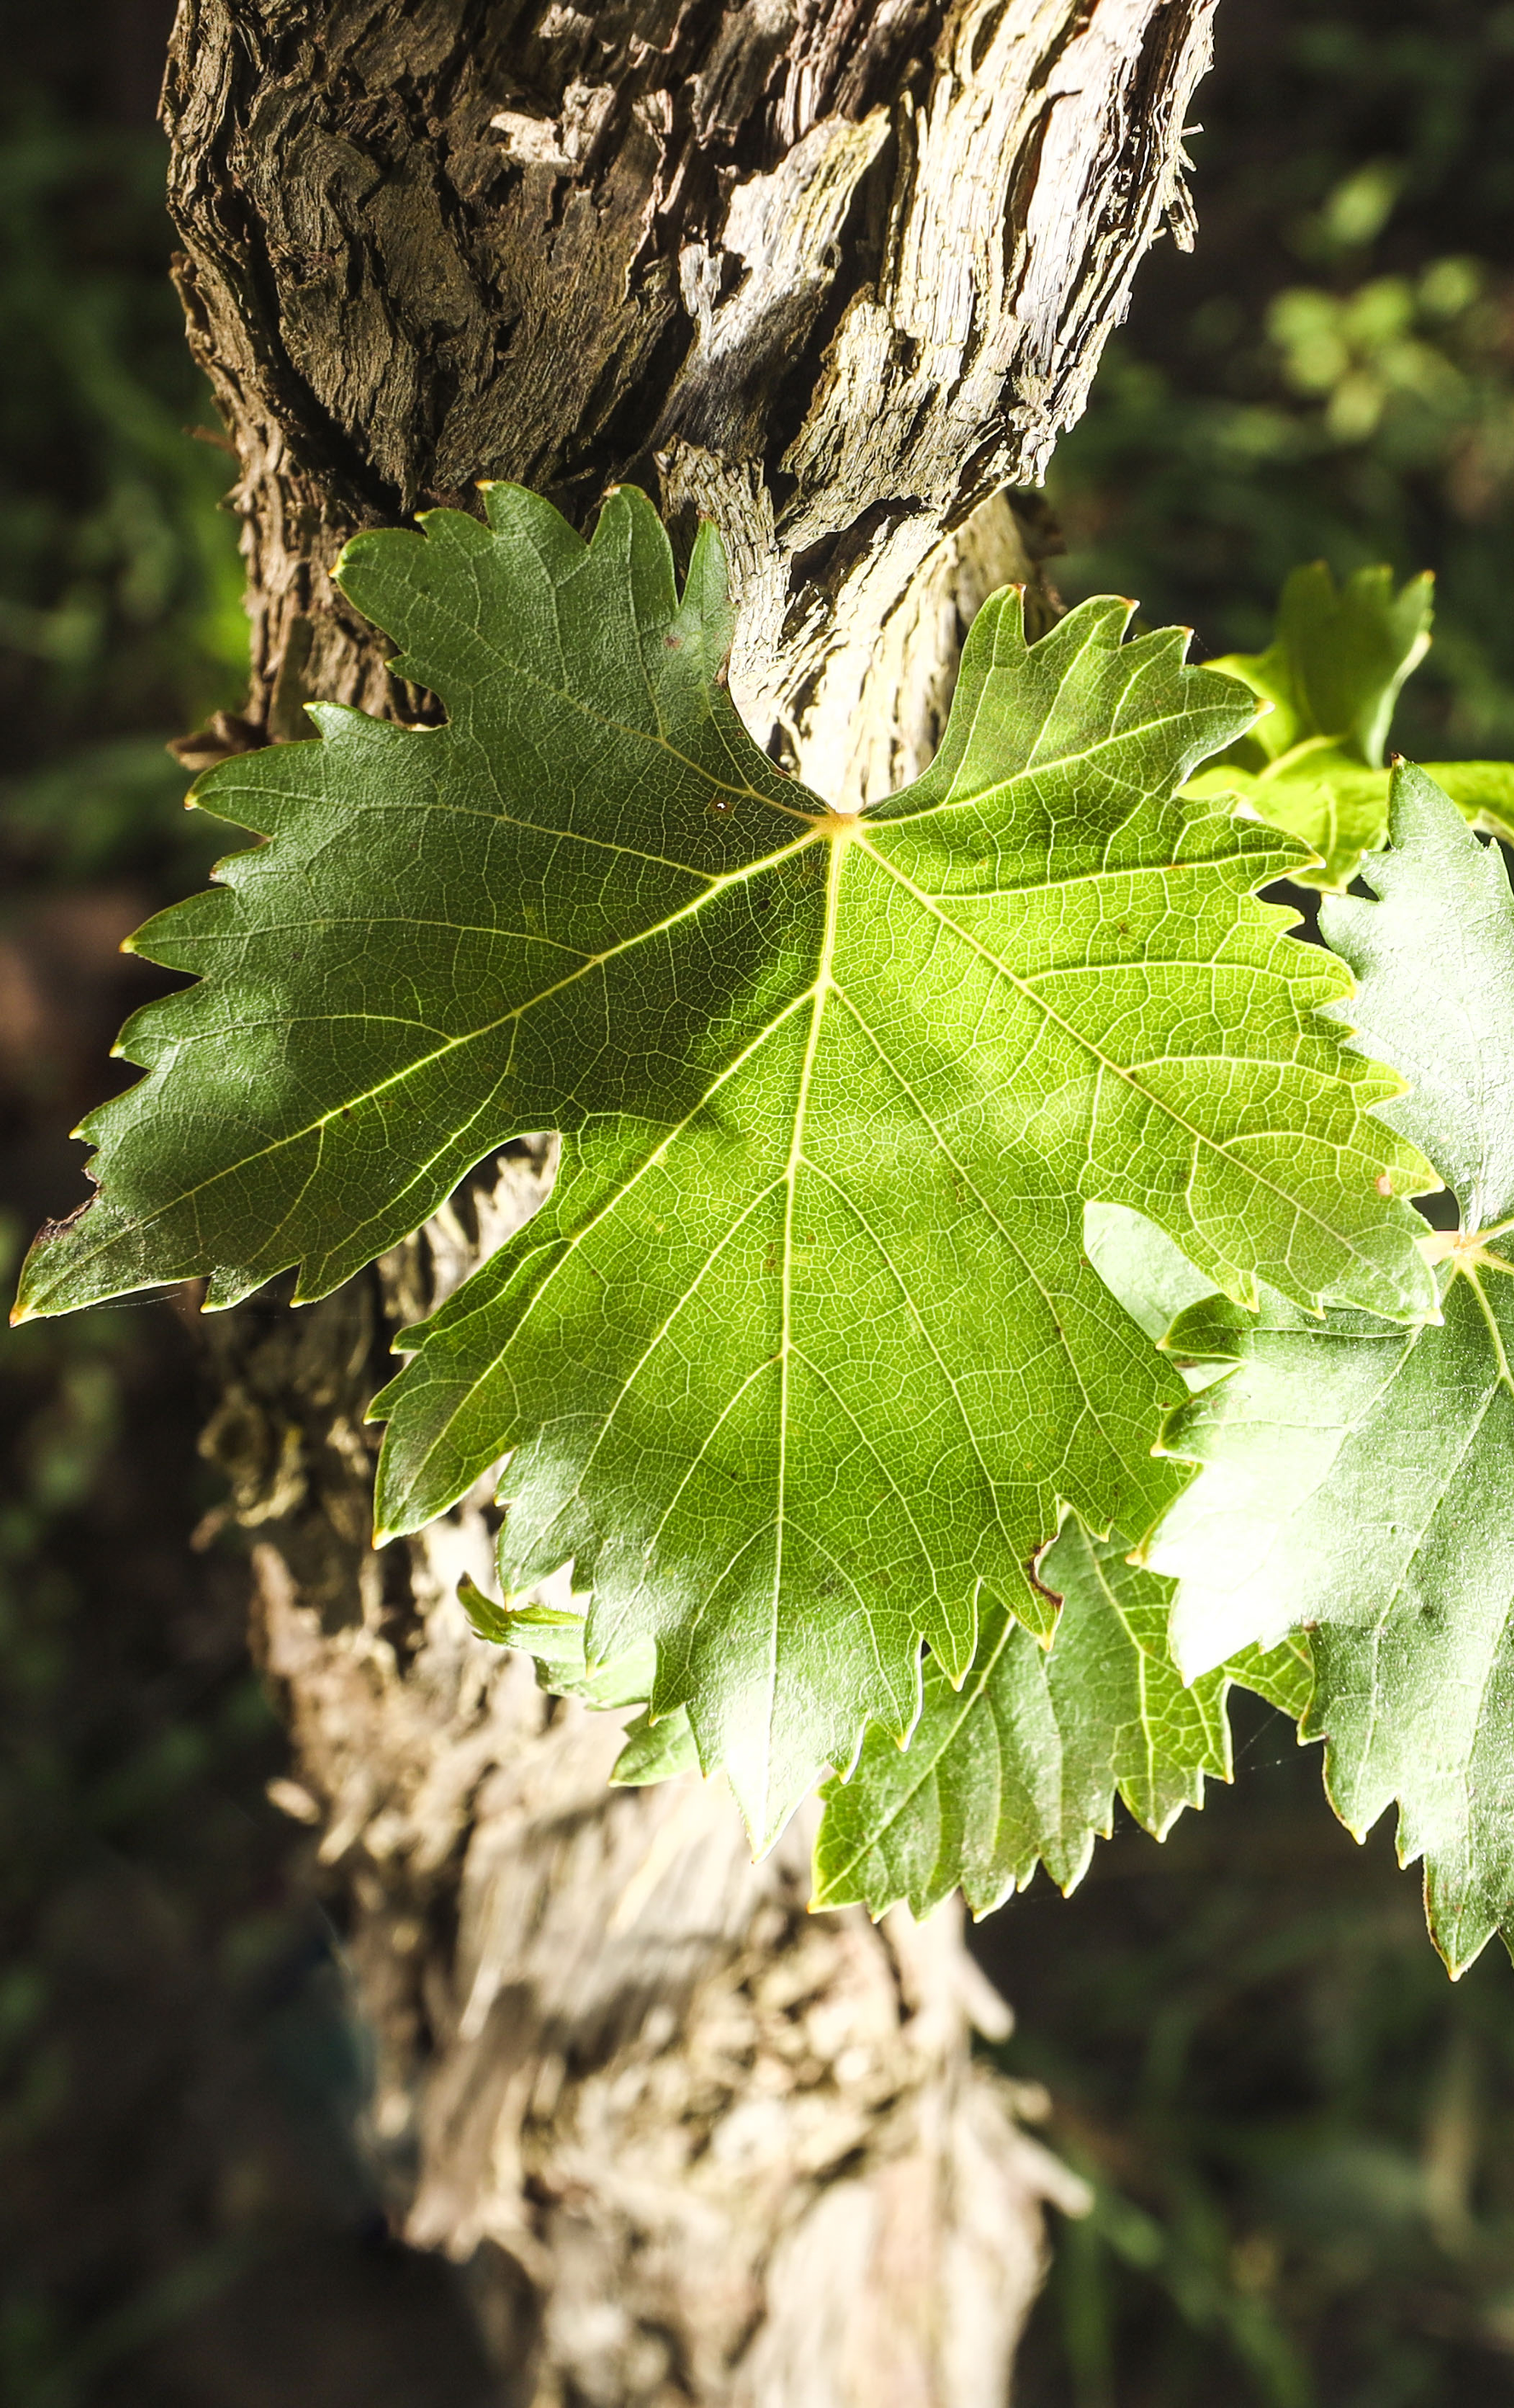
x: 834, y: 273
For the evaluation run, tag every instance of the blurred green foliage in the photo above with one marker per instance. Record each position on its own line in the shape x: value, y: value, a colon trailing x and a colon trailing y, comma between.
x: 120, y: 616
x: 154, y: 1956
x: 132, y: 1720
x: 1299, y: 2131
x: 1331, y: 375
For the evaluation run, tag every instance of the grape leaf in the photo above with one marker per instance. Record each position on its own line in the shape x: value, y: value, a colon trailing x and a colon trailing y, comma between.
x: 1332, y: 675
x: 1482, y: 791
x: 801, y: 1355
x: 1330, y: 802
x: 1340, y: 811
x: 1281, y: 1497
x: 1020, y: 1766
x: 1354, y: 1479
x: 1433, y: 963
x: 655, y: 1750
x: 1139, y: 1264
x: 1284, y: 1674
x: 555, y: 1638
x: 1335, y: 665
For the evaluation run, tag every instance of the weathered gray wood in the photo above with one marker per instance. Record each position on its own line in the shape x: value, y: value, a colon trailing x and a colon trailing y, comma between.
x: 833, y: 272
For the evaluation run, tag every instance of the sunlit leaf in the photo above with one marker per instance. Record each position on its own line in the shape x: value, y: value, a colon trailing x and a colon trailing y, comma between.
x: 803, y: 1358
x: 1022, y: 1766
x: 1312, y: 766
x: 1355, y: 1480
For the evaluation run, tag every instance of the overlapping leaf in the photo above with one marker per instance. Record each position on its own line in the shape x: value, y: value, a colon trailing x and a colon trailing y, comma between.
x: 1021, y: 1765
x: 554, y: 1636
x: 1357, y: 1480
x: 1336, y: 663
x: 803, y: 1356
x: 1331, y: 677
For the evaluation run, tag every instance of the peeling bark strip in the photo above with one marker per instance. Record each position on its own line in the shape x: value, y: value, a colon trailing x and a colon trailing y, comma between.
x: 832, y: 272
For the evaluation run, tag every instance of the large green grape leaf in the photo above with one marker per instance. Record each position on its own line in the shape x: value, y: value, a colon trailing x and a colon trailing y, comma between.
x: 1331, y: 677
x: 1021, y: 1765
x: 1356, y: 1480
x: 803, y: 1354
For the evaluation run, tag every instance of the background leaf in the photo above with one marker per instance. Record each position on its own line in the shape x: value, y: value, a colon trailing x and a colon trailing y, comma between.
x: 1337, y: 659
x: 1022, y: 1765
x: 554, y: 1639
x: 1321, y: 797
x: 1354, y: 1480
x: 1332, y: 675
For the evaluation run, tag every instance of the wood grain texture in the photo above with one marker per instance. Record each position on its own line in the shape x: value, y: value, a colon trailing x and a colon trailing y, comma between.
x: 833, y: 272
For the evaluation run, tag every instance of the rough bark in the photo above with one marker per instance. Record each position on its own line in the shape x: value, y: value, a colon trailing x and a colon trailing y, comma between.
x: 696, y: 2145
x: 834, y: 273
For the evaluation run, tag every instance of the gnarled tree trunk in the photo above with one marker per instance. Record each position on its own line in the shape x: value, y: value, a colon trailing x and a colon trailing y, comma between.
x: 833, y: 272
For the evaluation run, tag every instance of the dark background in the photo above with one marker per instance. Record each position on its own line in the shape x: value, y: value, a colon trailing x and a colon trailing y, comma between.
x: 1301, y: 2136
